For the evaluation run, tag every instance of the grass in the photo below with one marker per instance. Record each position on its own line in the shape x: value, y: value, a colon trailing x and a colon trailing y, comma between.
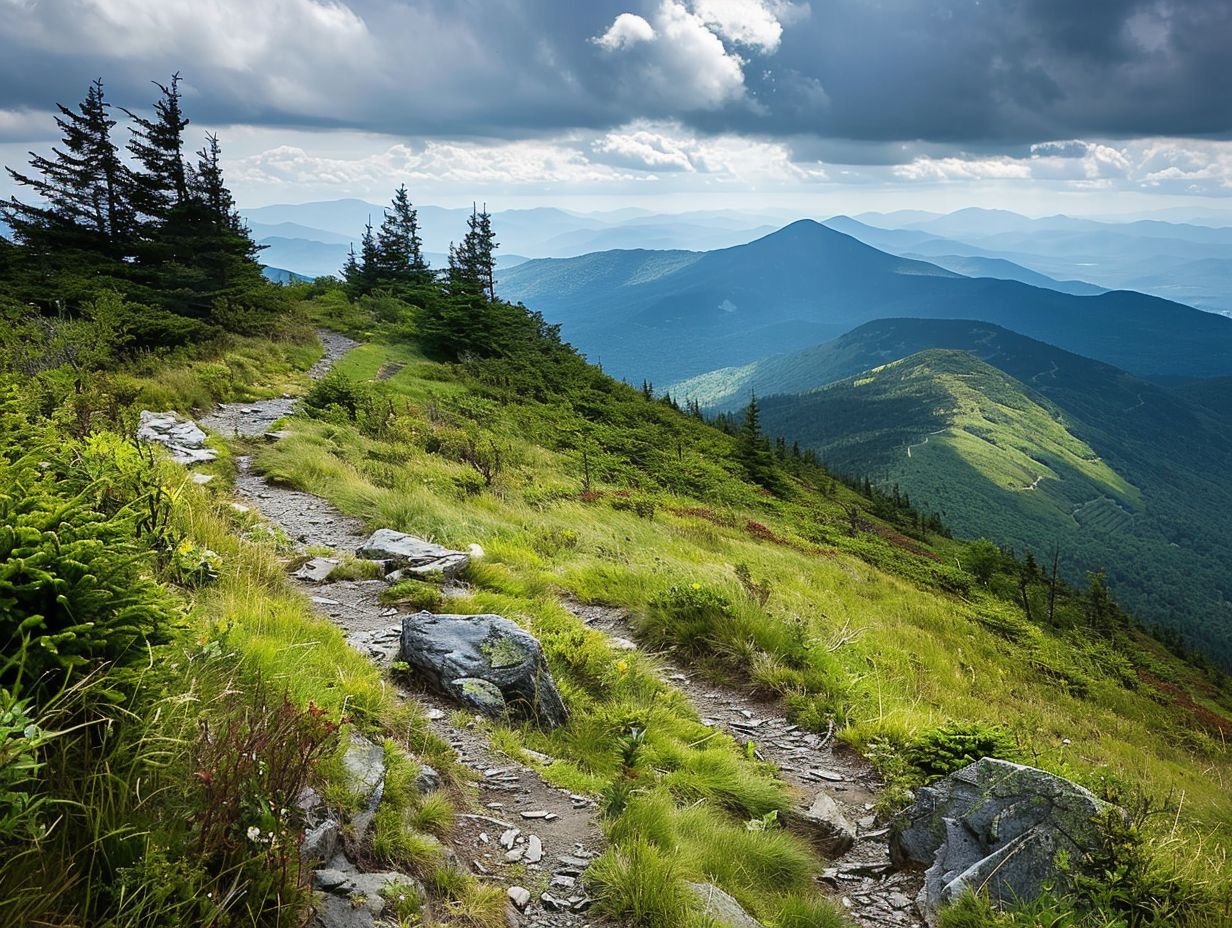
x: 853, y: 629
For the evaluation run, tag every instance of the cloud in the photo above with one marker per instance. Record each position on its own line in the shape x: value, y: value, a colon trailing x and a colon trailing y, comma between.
x: 746, y: 22
x: 1178, y: 166
x: 676, y: 61
x: 671, y: 147
x: 627, y: 29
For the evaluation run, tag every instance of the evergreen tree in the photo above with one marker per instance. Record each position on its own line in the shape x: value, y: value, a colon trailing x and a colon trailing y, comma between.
x: 399, y: 247
x: 157, y: 145
x: 363, y: 276
x: 472, y: 265
x: 84, y: 187
x: 753, y: 450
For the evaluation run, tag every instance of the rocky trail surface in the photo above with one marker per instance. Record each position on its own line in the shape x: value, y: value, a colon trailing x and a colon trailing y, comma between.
x: 836, y: 789
x: 525, y: 833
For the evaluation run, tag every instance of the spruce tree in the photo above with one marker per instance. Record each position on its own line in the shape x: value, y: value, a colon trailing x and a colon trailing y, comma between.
x: 399, y: 247
x: 84, y: 187
x: 753, y: 450
x: 157, y: 145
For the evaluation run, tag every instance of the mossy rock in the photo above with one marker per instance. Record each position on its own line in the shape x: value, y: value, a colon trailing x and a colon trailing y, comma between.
x: 474, y: 658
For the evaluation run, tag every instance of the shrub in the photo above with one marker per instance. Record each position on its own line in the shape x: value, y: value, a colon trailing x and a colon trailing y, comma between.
x: 74, y: 591
x: 687, y: 617
x: 250, y: 765
x: 940, y: 751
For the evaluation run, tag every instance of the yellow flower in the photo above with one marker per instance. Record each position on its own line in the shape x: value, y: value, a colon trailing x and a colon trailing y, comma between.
x: 697, y: 586
x: 622, y: 666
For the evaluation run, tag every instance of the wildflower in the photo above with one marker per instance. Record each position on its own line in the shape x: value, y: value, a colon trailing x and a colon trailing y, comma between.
x: 622, y: 666
x: 254, y: 833
x: 697, y: 586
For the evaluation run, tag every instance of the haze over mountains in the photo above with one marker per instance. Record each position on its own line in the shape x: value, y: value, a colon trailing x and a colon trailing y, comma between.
x: 1183, y: 255
x: 669, y: 315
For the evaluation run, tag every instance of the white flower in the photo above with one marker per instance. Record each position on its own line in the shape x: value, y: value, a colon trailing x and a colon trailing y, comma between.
x: 254, y: 833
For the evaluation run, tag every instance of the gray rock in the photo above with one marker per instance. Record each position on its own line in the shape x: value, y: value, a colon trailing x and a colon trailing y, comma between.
x: 825, y: 825
x: 519, y: 896
x: 364, y: 765
x: 474, y: 657
x: 449, y: 567
x: 411, y: 556
x: 427, y: 780
x: 317, y: 570
x: 319, y: 843
x: 181, y: 437
x: 534, y: 849
x: 338, y: 912
x: 721, y: 907
x: 357, y: 900
x: 998, y: 827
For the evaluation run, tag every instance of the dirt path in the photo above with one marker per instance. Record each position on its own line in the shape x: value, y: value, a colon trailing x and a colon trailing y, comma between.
x: 551, y: 834
x: 809, y: 763
x: 921, y: 444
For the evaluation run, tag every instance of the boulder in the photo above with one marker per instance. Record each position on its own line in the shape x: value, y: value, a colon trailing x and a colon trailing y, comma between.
x: 998, y: 827
x: 427, y: 780
x: 181, y: 437
x: 411, y: 556
x: 364, y: 765
x: 721, y: 907
x: 357, y: 900
x: 316, y: 570
x: 826, y: 825
x: 319, y: 843
x: 476, y: 658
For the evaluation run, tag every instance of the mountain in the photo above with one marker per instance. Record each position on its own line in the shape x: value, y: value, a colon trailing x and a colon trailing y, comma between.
x: 1177, y: 260
x: 282, y: 276
x: 670, y: 315
x: 977, y: 266
x: 966, y: 416
x: 301, y: 256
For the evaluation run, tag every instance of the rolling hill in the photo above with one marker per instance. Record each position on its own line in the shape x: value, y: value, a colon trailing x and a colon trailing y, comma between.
x: 670, y: 315
x: 1124, y: 475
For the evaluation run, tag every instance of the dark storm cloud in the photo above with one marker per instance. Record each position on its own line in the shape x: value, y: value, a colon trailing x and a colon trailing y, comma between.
x: 982, y: 74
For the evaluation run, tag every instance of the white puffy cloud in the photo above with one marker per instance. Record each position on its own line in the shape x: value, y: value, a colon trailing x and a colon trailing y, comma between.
x: 627, y: 29
x: 684, y: 56
x: 754, y: 23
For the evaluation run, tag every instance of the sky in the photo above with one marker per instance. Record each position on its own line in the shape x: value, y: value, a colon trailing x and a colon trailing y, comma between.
x: 825, y: 106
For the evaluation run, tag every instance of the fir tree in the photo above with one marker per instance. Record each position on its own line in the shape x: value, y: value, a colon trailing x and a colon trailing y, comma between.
x: 84, y: 185
x: 157, y: 145
x: 399, y: 247
x: 472, y: 265
x: 753, y: 450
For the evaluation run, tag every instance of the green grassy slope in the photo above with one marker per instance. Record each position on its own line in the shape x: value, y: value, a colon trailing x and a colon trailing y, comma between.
x: 1164, y: 553
x: 866, y: 628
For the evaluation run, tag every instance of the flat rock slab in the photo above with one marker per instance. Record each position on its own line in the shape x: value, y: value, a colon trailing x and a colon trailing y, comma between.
x: 411, y: 556
x: 182, y: 438
x: 998, y: 827
x: 721, y: 907
x: 248, y: 419
x: 826, y: 825
x: 485, y: 661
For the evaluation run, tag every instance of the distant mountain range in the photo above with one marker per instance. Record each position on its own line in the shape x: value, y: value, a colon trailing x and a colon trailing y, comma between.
x: 1190, y: 262
x: 1025, y: 443
x: 668, y: 315
x: 1187, y: 258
